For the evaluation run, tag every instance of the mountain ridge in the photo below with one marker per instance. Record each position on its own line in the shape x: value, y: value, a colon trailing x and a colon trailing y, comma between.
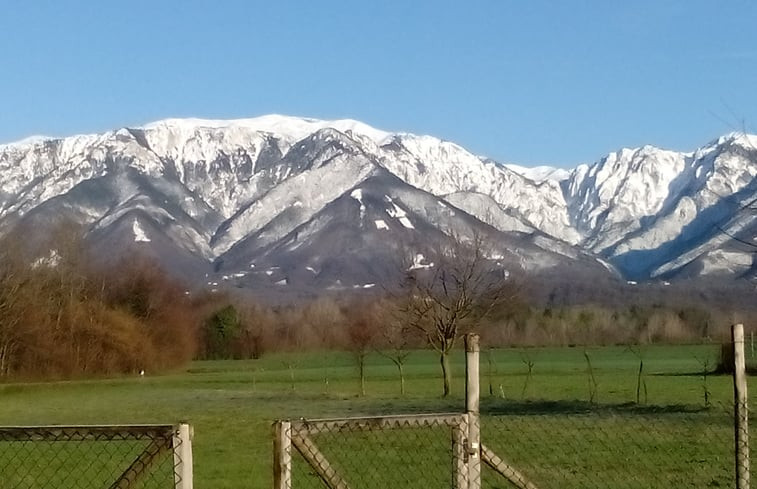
x: 211, y: 184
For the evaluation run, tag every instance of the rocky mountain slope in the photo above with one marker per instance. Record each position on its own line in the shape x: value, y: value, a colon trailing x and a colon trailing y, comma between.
x: 295, y: 203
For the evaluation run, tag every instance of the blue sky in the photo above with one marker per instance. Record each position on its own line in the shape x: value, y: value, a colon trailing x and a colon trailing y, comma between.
x: 529, y: 82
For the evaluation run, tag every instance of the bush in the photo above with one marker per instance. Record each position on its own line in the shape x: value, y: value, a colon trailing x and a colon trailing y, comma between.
x: 61, y: 319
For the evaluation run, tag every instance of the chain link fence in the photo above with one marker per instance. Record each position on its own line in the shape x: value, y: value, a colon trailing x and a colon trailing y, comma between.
x: 558, y: 445
x: 83, y: 457
x: 530, y: 445
x: 394, y: 451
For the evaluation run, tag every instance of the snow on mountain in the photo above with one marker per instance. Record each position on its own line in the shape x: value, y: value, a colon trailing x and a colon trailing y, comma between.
x: 220, y: 187
x: 608, y: 199
x: 291, y: 129
x: 140, y: 236
x: 540, y: 173
x: 652, y: 211
x: 27, y: 141
x: 487, y: 210
x: 443, y: 168
x: 294, y: 201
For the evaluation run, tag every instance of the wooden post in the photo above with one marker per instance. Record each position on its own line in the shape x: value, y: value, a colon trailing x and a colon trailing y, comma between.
x: 741, y: 412
x: 472, y: 396
x: 182, y: 456
x: 282, y: 455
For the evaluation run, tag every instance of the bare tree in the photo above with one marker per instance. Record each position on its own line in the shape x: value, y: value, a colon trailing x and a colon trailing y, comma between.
x: 257, y: 323
x: 361, y: 322
x: 59, y: 317
x: 14, y: 284
x: 396, y: 341
x: 444, y: 300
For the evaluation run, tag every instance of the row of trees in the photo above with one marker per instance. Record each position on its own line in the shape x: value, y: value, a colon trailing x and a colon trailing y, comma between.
x: 62, y: 317
x: 329, y: 323
x: 434, y: 307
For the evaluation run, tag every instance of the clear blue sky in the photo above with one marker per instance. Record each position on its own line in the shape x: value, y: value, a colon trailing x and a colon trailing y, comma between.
x: 529, y: 82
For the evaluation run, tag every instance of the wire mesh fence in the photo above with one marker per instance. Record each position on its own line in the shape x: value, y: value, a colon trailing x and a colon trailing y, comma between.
x: 399, y: 452
x: 620, y: 447
x: 552, y: 445
x: 83, y: 457
x: 527, y: 445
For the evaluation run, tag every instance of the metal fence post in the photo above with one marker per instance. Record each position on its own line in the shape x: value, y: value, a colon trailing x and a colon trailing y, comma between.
x: 282, y: 455
x: 741, y: 411
x: 182, y: 456
x: 472, y: 396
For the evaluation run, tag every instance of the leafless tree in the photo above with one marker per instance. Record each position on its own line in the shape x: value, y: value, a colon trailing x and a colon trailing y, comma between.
x: 444, y: 301
x: 61, y: 318
x: 257, y: 323
x: 14, y: 280
x: 361, y: 320
x: 396, y: 340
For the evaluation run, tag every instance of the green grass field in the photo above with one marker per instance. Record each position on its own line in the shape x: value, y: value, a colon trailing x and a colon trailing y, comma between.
x: 232, y: 404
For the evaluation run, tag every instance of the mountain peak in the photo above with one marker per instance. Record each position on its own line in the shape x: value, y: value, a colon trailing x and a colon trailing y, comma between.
x: 27, y: 142
x: 289, y: 127
x: 736, y: 137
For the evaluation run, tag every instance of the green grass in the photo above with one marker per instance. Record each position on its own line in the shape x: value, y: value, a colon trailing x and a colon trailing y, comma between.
x: 232, y: 404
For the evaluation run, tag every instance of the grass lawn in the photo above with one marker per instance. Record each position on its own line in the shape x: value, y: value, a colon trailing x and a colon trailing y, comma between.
x: 232, y: 404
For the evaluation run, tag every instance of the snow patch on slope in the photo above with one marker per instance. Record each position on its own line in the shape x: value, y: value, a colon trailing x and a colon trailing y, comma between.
x: 50, y: 261
x: 418, y: 263
x: 722, y: 261
x: 140, y: 236
x: 357, y: 194
x: 398, y: 213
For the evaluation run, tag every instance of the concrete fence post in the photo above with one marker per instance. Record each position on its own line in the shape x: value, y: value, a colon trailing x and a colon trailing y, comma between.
x: 182, y: 456
x: 472, y: 398
x: 741, y: 408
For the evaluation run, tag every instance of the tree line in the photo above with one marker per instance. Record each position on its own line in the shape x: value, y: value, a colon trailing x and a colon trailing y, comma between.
x: 62, y: 316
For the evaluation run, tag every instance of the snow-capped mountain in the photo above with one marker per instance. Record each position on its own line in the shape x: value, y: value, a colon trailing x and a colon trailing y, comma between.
x: 302, y: 202
x: 652, y: 212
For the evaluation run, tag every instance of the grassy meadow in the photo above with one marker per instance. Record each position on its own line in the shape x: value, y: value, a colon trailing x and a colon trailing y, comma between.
x: 232, y: 404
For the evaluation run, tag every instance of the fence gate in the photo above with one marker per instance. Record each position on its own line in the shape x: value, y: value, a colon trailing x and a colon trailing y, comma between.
x: 83, y: 457
x: 433, y: 450
x: 426, y: 451
x: 388, y: 451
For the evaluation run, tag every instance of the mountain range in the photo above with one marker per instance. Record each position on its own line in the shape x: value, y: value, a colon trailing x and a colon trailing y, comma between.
x: 282, y: 204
